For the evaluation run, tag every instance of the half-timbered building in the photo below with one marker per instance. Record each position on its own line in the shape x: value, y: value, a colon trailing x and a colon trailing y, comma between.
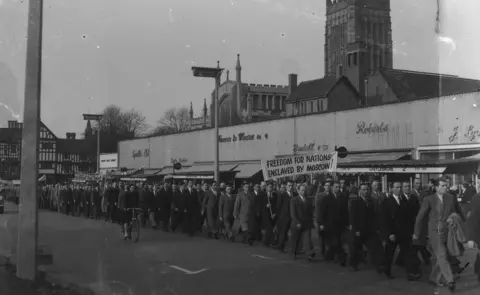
x: 58, y: 158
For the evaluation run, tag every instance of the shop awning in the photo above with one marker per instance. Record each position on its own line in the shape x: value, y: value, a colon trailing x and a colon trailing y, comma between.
x: 353, y: 158
x: 205, y: 169
x: 146, y: 173
x: 248, y: 170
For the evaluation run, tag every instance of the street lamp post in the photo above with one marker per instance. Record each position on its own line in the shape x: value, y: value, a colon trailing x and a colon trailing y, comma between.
x: 28, y: 212
x: 96, y: 118
x: 213, y: 73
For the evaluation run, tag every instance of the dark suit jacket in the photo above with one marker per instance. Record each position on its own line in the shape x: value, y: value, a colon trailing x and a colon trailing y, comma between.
x: 210, y: 201
x: 413, y: 208
x: 395, y: 219
x: 190, y: 201
x: 362, y: 215
x: 473, y: 221
x: 301, y: 212
x: 164, y: 198
x: 283, y: 207
x: 436, y: 219
x: 334, y: 212
x: 177, y: 200
x: 421, y: 194
x: 226, y: 205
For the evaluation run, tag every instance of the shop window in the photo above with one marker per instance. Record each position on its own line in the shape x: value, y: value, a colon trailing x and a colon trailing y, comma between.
x: 264, y: 102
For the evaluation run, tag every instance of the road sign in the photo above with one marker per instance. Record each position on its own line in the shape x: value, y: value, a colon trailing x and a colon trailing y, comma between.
x: 177, y: 166
x: 92, y: 117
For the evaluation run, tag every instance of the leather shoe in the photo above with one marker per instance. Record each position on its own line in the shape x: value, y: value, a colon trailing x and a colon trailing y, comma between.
x: 451, y: 286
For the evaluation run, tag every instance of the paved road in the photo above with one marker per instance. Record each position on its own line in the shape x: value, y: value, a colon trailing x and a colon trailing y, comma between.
x: 92, y: 253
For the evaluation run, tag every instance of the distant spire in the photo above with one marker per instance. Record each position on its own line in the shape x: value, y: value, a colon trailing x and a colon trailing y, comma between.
x: 205, y: 106
x: 88, y: 129
x: 238, y: 66
x: 218, y: 64
x: 191, y: 110
x: 228, y: 75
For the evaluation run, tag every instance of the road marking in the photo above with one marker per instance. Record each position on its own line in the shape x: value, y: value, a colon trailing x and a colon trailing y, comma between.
x: 188, y: 272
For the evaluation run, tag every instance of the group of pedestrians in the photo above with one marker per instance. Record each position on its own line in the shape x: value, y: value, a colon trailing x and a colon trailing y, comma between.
x: 420, y: 223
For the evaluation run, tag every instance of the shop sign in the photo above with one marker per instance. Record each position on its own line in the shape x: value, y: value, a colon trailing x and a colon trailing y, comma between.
x: 311, y: 147
x: 364, y: 128
x: 470, y: 135
x: 140, y: 153
x: 179, y: 160
x: 242, y: 136
x: 412, y: 170
x: 297, y: 165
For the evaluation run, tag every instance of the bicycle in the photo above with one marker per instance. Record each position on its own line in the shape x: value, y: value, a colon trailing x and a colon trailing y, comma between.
x: 134, y: 224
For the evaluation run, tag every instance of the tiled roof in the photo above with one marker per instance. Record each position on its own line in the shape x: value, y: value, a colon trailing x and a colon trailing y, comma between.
x: 408, y: 85
x: 75, y: 146
x: 313, y: 88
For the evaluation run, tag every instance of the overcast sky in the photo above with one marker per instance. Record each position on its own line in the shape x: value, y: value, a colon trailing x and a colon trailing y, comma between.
x: 138, y: 53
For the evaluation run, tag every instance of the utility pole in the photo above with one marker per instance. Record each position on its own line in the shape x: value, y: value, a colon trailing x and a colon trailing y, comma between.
x: 28, y: 213
x: 216, y: 74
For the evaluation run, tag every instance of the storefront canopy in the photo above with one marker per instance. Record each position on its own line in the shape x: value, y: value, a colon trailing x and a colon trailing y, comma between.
x: 248, y: 170
x: 146, y: 173
x: 393, y: 166
x: 205, y: 169
x: 366, y: 157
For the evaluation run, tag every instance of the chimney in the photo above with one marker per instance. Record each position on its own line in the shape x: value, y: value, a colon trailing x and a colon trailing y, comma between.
x: 292, y: 83
x: 339, y: 71
x: 73, y: 135
x: 238, y: 80
x: 68, y: 135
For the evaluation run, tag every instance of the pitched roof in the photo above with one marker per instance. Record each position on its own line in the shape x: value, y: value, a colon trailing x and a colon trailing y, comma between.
x: 313, y: 88
x: 409, y: 85
x: 75, y: 146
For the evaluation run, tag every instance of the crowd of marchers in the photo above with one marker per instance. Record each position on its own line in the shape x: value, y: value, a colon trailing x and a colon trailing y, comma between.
x: 402, y: 226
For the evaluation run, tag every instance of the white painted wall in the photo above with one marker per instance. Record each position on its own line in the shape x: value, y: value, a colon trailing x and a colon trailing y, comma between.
x: 428, y: 122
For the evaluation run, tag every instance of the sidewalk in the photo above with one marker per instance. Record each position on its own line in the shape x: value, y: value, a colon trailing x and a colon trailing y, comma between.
x: 9, y: 283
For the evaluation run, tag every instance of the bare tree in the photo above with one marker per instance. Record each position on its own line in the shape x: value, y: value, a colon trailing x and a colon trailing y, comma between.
x: 134, y: 122
x: 175, y: 120
x: 117, y: 125
x: 116, y: 121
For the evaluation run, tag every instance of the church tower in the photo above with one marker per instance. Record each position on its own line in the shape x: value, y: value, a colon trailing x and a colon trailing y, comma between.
x: 358, y: 39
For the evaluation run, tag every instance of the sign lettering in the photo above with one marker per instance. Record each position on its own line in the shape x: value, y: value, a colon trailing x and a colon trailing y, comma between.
x: 472, y: 133
x: 311, y: 147
x: 139, y: 153
x: 452, y: 138
x: 306, y: 164
x: 363, y: 128
x: 242, y: 136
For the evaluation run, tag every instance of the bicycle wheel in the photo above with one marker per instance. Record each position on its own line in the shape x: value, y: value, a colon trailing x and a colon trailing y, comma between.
x: 135, y: 230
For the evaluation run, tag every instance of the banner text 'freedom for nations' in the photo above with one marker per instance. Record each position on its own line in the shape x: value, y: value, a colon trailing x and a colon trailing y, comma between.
x: 289, y: 166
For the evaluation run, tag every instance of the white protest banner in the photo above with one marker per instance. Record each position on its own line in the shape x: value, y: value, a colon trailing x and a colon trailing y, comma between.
x: 304, y: 164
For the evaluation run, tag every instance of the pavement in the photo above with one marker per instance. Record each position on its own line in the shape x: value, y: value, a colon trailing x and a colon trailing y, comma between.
x: 92, y: 254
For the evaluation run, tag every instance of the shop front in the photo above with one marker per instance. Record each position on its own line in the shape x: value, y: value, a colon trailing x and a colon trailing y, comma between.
x: 390, y: 132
